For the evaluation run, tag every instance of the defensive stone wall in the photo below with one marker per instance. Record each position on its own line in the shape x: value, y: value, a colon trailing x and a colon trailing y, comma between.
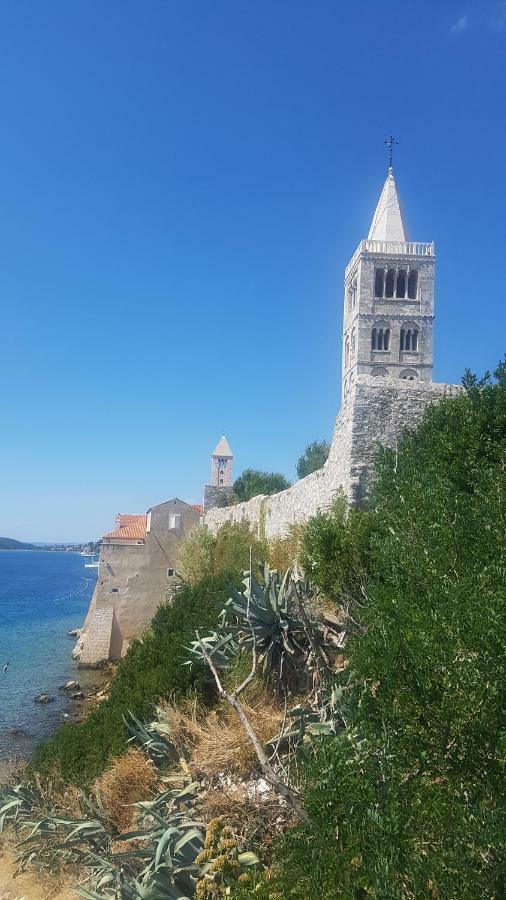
x: 378, y: 410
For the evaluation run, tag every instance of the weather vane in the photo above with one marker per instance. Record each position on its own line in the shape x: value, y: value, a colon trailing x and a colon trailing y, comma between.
x: 390, y: 142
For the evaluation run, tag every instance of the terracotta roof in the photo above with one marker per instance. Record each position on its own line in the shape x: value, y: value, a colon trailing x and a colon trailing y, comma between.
x: 128, y: 528
x: 199, y: 507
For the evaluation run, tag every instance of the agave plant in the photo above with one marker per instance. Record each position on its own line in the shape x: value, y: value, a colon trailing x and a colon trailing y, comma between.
x: 305, y: 722
x: 163, y: 863
x: 154, y: 739
x: 262, y: 615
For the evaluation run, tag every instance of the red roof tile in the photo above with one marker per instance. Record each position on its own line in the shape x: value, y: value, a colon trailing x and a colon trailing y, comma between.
x: 198, y: 507
x: 128, y: 528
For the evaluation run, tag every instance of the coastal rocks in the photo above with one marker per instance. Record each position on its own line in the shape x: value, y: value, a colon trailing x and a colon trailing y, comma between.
x: 70, y: 686
x: 43, y: 698
x: 75, y: 633
x: 77, y: 695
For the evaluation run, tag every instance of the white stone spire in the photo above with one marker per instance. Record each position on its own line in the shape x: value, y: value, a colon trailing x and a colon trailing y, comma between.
x: 388, y: 223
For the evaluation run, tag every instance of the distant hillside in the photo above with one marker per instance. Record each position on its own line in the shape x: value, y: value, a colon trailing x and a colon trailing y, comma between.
x: 11, y: 544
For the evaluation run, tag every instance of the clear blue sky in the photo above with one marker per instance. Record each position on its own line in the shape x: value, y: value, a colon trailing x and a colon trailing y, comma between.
x: 181, y: 186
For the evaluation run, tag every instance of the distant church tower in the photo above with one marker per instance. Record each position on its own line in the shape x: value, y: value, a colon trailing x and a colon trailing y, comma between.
x: 388, y: 300
x: 216, y: 493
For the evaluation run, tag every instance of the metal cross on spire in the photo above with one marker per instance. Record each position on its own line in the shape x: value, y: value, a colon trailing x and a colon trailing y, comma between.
x: 390, y: 142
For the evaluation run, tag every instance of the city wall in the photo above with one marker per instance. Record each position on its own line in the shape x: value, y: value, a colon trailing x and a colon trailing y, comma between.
x: 377, y: 410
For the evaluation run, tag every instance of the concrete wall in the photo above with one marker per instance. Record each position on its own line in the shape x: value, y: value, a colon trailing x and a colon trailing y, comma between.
x: 379, y: 409
x: 133, y: 581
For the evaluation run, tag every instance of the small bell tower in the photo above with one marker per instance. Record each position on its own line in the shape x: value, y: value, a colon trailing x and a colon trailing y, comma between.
x: 218, y: 493
x: 388, y: 299
x: 221, y: 465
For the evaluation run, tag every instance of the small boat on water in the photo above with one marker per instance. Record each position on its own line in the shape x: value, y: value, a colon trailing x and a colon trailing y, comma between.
x: 93, y: 563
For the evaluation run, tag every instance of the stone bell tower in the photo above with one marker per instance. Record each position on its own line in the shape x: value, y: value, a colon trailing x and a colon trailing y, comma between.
x: 220, y: 489
x: 388, y: 300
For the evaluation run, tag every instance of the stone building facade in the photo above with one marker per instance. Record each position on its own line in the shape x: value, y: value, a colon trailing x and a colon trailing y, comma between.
x: 386, y: 374
x: 137, y: 568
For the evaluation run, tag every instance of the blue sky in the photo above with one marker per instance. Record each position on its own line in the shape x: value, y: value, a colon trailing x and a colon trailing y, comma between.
x: 181, y: 186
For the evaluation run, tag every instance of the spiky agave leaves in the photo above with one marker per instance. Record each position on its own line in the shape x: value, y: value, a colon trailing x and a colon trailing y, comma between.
x: 169, y: 840
x: 154, y: 739
x: 264, y: 615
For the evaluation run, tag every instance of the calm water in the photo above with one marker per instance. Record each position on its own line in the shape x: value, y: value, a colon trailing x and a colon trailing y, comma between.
x: 42, y: 597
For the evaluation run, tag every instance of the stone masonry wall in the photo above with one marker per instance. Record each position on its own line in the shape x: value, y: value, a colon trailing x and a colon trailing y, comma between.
x: 378, y: 410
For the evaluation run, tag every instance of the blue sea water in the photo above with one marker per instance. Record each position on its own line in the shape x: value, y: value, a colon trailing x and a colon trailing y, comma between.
x: 43, y: 595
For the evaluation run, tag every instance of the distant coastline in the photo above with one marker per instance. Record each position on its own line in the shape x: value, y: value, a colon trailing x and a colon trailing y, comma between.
x: 12, y: 544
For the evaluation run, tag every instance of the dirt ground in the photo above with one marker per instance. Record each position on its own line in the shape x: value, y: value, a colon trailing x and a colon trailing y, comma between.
x: 28, y: 886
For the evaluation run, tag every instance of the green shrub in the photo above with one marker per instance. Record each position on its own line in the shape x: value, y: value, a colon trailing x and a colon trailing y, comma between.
x: 205, y: 553
x: 336, y: 548
x: 314, y: 457
x: 252, y: 482
x: 408, y: 801
x: 153, y: 667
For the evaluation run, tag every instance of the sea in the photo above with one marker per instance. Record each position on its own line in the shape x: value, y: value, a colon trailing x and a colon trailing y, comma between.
x: 43, y: 596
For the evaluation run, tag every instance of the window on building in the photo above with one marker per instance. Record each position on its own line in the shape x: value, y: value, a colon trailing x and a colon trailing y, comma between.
x: 413, y: 284
x: 408, y: 375
x: 170, y: 573
x: 379, y: 282
x: 400, y: 288
x: 379, y: 371
x: 353, y: 342
x: 174, y: 522
x: 380, y: 338
x: 347, y: 352
x: 389, y: 283
x: 409, y: 338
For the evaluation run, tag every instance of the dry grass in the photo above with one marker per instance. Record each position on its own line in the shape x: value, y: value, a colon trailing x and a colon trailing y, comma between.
x: 216, y: 742
x: 11, y: 771
x: 251, y: 821
x: 284, y: 552
x: 130, y: 778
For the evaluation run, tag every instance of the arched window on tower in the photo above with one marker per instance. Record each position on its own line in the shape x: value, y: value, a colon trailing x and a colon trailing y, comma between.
x: 379, y: 282
x: 409, y: 338
x: 413, y: 284
x: 353, y: 342
x: 347, y: 352
x: 400, y: 289
x: 409, y: 375
x: 389, y: 283
x: 380, y: 336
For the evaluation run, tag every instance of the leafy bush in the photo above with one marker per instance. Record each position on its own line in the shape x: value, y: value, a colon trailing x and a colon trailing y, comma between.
x: 408, y: 800
x: 252, y: 482
x: 152, y: 668
x: 314, y: 457
x: 335, y: 550
x: 205, y: 553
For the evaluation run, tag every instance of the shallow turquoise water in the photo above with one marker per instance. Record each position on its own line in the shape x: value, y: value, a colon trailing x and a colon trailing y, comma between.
x: 43, y: 596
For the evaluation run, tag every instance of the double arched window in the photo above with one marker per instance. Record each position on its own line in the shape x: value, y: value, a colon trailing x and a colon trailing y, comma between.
x: 409, y: 338
x: 399, y: 283
x: 380, y: 337
x: 409, y: 375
